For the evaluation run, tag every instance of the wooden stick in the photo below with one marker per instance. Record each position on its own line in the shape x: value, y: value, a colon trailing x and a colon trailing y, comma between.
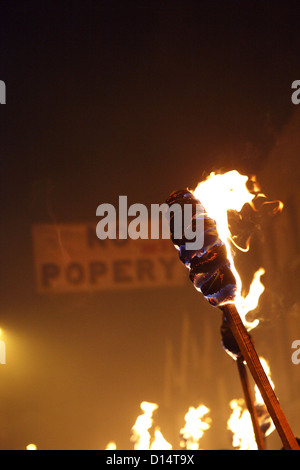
x: 249, y: 353
x: 250, y: 403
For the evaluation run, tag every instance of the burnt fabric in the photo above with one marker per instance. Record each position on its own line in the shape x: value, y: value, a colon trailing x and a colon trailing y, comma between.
x: 209, y: 267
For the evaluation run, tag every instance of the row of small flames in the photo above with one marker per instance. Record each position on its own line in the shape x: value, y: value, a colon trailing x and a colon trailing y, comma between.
x: 197, y: 421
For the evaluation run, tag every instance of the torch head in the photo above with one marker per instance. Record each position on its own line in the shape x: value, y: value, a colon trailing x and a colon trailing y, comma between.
x: 209, y: 267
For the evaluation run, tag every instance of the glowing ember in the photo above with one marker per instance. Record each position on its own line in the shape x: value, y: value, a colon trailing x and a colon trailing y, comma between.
x: 221, y: 193
x: 195, y: 425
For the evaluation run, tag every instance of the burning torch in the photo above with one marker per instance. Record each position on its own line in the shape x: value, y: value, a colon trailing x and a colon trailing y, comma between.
x: 213, y: 273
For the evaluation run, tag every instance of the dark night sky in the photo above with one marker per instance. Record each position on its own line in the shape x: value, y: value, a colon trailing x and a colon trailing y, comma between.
x: 109, y: 98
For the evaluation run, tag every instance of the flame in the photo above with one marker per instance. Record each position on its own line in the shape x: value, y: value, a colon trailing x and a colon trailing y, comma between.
x: 140, y: 430
x: 240, y: 420
x: 265, y: 418
x: 195, y: 425
x: 266, y: 367
x: 220, y: 193
x: 111, y: 446
x: 160, y: 442
x: 31, y: 447
x: 250, y: 302
x: 240, y: 424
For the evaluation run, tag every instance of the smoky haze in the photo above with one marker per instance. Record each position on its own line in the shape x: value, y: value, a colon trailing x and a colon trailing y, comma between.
x: 110, y: 98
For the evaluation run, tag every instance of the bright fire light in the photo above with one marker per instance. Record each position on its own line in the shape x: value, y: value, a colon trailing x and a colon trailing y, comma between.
x: 240, y: 425
x: 160, y: 442
x: 31, y: 447
x: 267, y: 420
x: 221, y: 193
x: 144, y: 438
x: 266, y: 367
x: 195, y: 424
x: 141, y: 436
x: 140, y: 430
x: 2, y: 349
x: 111, y: 446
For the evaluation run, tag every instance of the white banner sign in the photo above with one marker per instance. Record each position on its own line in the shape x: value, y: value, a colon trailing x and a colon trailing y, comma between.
x: 70, y: 258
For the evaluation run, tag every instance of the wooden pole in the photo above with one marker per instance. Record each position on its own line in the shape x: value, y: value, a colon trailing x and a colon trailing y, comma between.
x: 250, y: 403
x: 250, y: 355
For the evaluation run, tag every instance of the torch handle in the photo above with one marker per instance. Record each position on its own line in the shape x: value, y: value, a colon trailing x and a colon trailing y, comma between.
x: 250, y: 355
x: 250, y: 403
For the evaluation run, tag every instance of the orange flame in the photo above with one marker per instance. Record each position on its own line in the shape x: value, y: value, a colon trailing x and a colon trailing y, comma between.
x: 259, y: 400
x: 160, y: 442
x: 195, y: 424
x: 221, y: 193
x: 240, y: 423
x: 111, y: 446
x: 140, y: 430
x: 31, y: 447
x: 266, y: 367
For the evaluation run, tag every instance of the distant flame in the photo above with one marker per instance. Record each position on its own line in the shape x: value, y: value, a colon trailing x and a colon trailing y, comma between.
x: 160, y: 442
x: 144, y: 438
x: 266, y: 367
x: 141, y: 436
x: 31, y: 447
x: 195, y: 425
x: 140, y: 430
x: 240, y: 424
x: 240, y: 421
x: 111, y: 446
x: 265, y: 419
x: 220, y: 193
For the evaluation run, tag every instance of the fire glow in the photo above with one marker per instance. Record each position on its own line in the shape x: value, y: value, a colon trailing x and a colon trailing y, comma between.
x: 145, y: 438
x: 196, y: 422
x: 140, y: 430
x: 240, y: 423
